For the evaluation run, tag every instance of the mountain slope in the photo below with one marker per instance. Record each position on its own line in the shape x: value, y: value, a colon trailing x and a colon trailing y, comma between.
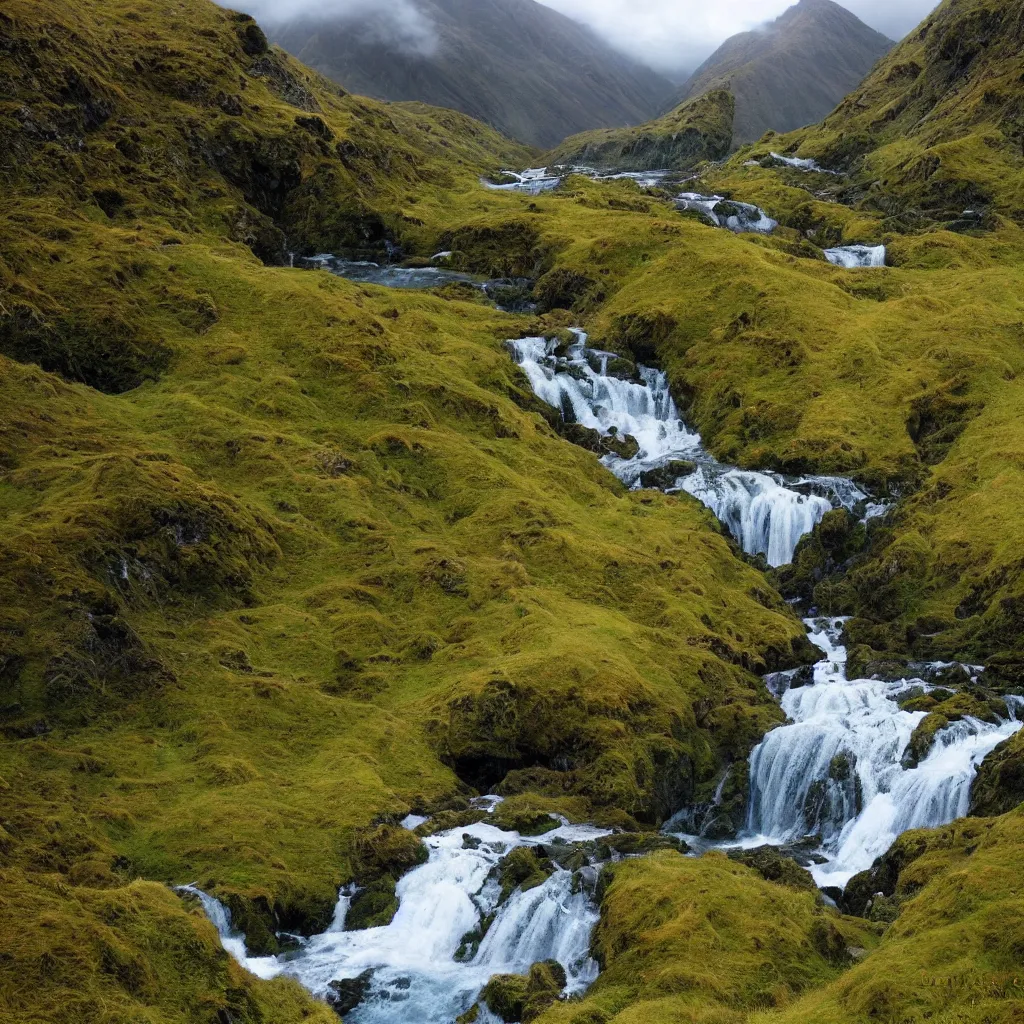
x: 698, y: 130
x: 525, y: 69
x: 791, y: 72
x: 283, y: 557
x: 939, y: 125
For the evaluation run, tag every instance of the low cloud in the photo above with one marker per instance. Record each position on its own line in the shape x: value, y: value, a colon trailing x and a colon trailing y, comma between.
x: 675, y: 36
x: 397, y: 23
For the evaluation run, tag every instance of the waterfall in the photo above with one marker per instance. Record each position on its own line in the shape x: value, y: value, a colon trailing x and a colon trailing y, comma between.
x: 414, y: 977
x: 835, y: 770
x: 727, y: 213
x: 766, y: 512
x: 852, y: 256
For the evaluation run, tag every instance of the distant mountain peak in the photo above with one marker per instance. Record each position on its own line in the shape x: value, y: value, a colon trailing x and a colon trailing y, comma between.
x: 792, y: 71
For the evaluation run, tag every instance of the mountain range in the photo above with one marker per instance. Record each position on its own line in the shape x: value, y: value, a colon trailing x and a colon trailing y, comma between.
x: 517, y: 65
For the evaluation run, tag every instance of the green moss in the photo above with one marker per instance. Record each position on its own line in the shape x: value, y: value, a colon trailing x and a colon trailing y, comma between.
x: 707, y: 939
x: 696, y: 131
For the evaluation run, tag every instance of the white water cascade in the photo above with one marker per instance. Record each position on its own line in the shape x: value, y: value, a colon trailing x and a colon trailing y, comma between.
x: 853, y: 256
x: 414, y: 975
x: 836, y: 770
x: 727, y: 213
x: 765, y: 512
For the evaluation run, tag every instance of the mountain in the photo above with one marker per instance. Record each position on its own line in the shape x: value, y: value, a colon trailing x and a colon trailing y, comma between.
x: 529, y: 71
x: 938, y: 126
x: 791, y: 72
x: 698, y: 130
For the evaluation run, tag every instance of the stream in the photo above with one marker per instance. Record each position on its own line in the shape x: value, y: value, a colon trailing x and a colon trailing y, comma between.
x: 409, y: 970
x: 832, y: 781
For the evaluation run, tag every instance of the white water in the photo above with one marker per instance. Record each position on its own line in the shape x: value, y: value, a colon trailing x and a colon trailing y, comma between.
x: 416, y: 979
x: 765, y: 512
x: 535, y: 180
x: 852, y: 256
x: 738, y: 217
x: 793, y: 793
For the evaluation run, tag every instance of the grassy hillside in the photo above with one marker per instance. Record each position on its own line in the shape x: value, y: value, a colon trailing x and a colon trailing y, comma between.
x: 937, y: 127
x: 692, y: 133
x: 708, y: 940
x: 283, y: 557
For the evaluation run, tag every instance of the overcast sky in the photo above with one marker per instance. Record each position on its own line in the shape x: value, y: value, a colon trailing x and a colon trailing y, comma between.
x: 673, y: 36
x: 668, y: 34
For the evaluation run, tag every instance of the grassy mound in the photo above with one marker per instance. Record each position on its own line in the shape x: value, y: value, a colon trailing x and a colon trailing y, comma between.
x: 696, y: 131
x: 708, y: 940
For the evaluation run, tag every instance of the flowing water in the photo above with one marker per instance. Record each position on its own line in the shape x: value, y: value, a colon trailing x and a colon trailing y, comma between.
x: 766, y: 512
x: 851, y: 256
x: 366, y: 272
x: 836, y: 771
x: 414, y: 975
x: 727, y: 213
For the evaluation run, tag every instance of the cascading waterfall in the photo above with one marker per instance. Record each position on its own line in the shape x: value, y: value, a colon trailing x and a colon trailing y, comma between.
x: 409, y: 967
x: 727, y: 213
x: 836, y: 770
x: 765, y: 512
x: 853, y: 256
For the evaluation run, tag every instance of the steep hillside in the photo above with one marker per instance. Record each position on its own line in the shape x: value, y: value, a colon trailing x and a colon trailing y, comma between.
x: 938, y: 127
x: 698, y: 130
x: 283, y: 557
x: 515, y: 64
x: 791, y: 72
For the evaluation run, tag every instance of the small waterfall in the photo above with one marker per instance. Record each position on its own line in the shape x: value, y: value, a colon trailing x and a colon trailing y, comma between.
x: 853, y: 256
x: 727, y: 213
x: 835, y: 771
x: 410, y: 966
x: 765, y: 512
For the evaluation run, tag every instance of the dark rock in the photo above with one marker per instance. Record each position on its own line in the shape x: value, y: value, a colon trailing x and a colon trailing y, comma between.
x: 999, y: 785
x: 346, y: 994
x: 664, y: 477
x: 773, y: 866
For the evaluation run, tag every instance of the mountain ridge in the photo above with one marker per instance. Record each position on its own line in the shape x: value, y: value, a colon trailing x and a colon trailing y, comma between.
x: 517, y: 65
x: 791, y: 72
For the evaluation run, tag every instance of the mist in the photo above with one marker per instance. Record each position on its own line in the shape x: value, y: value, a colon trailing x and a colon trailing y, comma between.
x: 398, y: 23
x: 676, y: 36
x: 671, y: 36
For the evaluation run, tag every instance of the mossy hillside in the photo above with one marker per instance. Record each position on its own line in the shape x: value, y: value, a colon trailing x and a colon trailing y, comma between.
x: 177, y: 121
x: 707, y: 939
x: 132, y: 952
x: 321, y: 561
x: 786, y: 362
x: 936, y: 127
x: 952, y: 951
x: 694, y: 132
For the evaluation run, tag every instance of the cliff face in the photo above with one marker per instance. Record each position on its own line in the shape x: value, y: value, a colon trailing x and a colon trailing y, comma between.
x: 792, y: 72
x: 532, y: 73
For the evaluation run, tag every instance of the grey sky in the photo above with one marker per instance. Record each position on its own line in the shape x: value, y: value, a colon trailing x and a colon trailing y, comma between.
x: 670, y: 35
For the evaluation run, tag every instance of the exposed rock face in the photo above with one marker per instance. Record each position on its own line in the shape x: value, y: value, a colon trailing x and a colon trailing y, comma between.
x: 791, y: 72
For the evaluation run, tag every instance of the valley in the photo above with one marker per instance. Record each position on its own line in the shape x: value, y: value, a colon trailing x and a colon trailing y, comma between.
x: 435, y: 590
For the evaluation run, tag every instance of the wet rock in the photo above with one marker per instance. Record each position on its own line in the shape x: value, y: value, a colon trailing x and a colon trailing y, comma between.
x: 345, y: 994
x: 999, y: 785
x: 524, y: 868
x: 513, y: 997
x: 664, y: 477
